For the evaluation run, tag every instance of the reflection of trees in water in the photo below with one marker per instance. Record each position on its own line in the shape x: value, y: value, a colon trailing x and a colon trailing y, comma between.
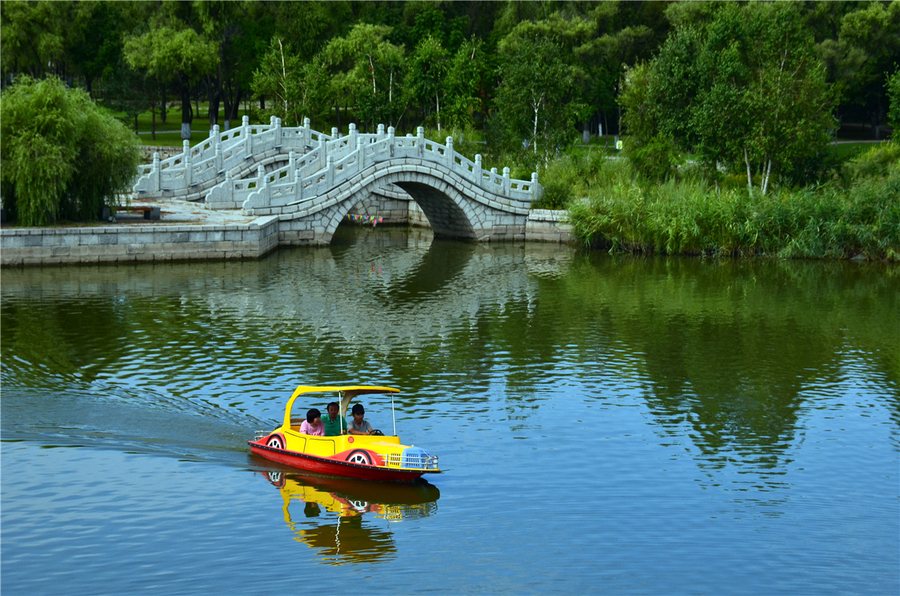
x: 729, y: 348
x: 46, y: 343
x: 725, y: 349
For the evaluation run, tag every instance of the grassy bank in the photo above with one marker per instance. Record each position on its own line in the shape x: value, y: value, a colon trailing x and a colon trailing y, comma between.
x: 856, y: 214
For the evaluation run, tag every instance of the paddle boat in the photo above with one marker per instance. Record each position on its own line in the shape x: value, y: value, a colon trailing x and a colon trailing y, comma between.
x: 368, y: 457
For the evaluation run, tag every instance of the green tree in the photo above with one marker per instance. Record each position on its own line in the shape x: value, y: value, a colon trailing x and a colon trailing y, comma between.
x: 745, y: 90
x: 173, y: 53
x: 427, y: 73
x: 534, y: 99
x: 466, y: 84
x: 893, y: 91
x: 870, y: 42
x: 241, y: 31
x: 35, y: 37
x: 283, y: 76
x: 367, y: 72
x: 63, y: 157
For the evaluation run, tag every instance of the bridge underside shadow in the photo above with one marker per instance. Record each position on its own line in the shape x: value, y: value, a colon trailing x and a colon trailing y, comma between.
x: 454, y: 207
x: 447, y: 219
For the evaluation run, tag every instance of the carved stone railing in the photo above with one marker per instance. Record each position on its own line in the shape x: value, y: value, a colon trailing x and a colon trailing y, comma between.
x: 221, y: 167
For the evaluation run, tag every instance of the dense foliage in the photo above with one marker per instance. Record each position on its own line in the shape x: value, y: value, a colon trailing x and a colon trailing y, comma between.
x: 64, y: 158
x: 744, y: 92
x: 725, y: 102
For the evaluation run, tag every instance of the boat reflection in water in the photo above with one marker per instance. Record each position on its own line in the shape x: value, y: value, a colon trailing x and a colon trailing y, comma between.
x: 328, y: 513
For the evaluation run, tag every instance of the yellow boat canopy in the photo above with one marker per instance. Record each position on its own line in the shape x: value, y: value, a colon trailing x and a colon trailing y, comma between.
x: 347, y: 395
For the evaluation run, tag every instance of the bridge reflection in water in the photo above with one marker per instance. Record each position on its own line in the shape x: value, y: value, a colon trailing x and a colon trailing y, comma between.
x: 333, y: 511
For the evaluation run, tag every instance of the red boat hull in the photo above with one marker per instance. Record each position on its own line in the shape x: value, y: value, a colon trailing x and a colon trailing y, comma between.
x: 332, y: 467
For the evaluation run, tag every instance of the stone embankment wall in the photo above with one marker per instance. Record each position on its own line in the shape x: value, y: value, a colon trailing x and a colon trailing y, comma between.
x: 122, y: 244
x: 160, y: 242
x: 546, y: 225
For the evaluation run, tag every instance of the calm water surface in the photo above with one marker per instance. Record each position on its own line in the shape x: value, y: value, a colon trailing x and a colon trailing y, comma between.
x: 636, y: 426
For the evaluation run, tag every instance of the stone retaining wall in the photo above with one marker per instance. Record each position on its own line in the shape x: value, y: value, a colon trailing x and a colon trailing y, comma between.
x: 160, y: 242
x: 119, y: 244
x: 546, y: 225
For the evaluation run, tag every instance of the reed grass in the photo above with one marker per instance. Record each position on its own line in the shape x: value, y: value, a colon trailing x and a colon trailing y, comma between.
x: 857, y: 217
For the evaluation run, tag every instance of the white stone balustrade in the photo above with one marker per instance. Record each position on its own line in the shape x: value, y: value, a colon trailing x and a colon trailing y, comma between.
x: 218, y: 168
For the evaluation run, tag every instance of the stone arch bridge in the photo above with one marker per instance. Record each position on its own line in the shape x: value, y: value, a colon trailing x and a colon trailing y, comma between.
x: 311, y: 181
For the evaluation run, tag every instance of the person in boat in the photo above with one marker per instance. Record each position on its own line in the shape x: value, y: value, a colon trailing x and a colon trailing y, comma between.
x: 313, y: 424
x: 359, y: 425
x: 334, y: 424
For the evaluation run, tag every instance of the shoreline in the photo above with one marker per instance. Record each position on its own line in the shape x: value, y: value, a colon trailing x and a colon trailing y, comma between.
x: 185, y: 232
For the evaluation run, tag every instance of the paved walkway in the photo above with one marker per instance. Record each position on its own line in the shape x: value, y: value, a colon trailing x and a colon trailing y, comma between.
x: 175, y: 212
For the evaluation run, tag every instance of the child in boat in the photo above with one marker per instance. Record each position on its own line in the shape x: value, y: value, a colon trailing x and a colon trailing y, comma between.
x: 359, y: 425
x: 313, y: 424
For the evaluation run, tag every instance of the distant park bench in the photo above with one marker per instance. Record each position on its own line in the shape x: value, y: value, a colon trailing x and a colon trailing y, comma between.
x: 148, y: 211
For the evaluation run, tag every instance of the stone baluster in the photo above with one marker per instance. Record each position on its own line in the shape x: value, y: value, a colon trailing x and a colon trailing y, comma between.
x: 155, y: 174
x: 420, y: 142
x: 391, y: 140
x: 361, y: 153
x: 323, y: 152
x: 298, y: 184
x: 214, y: 134
x: 334, y: 132
x: 307, y: 134
x: 186, y: 162
x: 535, y: 187
x: 506, y: 181
x: 262, y: 186
x: 245, y: 134
x: 477, y: 172
x: 292, y: 166
x: 219, y: 162
x: 449, y: 153
x: 229, y: 188
x: 276, y: 122
x: 380, y: 132
x: 329, y: 172
x: 353, y: 135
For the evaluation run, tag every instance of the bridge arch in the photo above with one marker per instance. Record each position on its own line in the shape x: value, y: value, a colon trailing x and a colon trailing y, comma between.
x: 455, y: 208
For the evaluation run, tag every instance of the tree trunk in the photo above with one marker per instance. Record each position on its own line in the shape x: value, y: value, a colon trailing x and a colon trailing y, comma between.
x: 749, y: 178
x: 213, y: 110
x: 186, y: 113
x: 437, y: 100
x: 162, y: 109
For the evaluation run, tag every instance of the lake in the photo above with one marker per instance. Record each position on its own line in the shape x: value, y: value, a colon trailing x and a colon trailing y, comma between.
x: 604, y: 424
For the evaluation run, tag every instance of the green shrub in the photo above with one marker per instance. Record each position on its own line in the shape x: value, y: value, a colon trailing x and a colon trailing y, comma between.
x: 64, y: 158
x: 875, y: 161
x: 656, y: 160
x: 691, y: 218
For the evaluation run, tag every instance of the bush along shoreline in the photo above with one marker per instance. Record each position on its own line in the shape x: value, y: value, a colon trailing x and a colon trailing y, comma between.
x: 854, y: 215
